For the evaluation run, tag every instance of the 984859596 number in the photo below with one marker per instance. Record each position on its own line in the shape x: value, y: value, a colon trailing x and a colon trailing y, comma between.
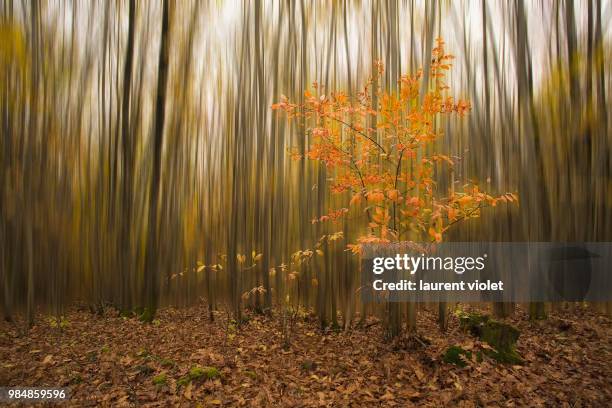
x: 32, y: 393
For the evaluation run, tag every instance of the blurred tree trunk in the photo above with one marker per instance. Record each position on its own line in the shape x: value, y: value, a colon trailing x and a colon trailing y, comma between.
x: 151, y: 266
x: 30, y: 161
x: 128, y: 165
x: 535, y: 208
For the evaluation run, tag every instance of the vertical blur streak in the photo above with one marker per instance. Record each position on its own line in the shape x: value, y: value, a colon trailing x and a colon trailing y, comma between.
x: 140, y: 163
x: 152, y: 259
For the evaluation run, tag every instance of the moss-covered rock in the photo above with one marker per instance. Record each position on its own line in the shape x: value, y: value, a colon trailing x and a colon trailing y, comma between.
x: 501, y: 336
x: 457, y: 356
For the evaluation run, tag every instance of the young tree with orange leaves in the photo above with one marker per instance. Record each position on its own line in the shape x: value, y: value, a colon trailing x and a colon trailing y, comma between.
x: 390, y: 168
x: 385, y: 154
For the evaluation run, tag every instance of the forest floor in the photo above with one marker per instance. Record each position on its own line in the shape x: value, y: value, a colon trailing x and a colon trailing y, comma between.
x: 114, y: 361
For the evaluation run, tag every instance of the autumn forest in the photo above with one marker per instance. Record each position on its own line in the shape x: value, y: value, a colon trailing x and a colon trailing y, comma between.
x: 187, y: 189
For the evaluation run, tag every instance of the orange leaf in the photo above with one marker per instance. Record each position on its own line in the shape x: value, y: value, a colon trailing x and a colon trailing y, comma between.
x: 393, y: 195
x: 435, y: 235
x: 356, y: 199
x: 465, y: 200
x: 376, y: 197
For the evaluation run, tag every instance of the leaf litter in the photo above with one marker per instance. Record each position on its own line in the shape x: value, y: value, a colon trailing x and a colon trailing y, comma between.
x: 186, y: 360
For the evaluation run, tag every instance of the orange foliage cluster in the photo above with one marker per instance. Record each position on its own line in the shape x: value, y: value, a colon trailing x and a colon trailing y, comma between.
x: 381, y: 146
x: 332, y: 216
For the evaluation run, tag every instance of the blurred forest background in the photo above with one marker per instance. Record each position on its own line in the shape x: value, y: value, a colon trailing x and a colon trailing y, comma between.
x: 141, y: 163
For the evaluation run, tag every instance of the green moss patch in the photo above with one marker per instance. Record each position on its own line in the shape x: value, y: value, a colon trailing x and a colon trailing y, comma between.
x: 166, y: 362
x: 457, y: 356
x: 160, y: 379
x: 197, y: 373
x: 501, y: 336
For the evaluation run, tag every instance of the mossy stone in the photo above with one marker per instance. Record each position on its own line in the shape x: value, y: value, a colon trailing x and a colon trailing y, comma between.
x: 501, y: 336
x: 453, y: 355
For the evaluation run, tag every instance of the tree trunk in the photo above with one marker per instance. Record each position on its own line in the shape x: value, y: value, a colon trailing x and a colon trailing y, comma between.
x: 151, y: 266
